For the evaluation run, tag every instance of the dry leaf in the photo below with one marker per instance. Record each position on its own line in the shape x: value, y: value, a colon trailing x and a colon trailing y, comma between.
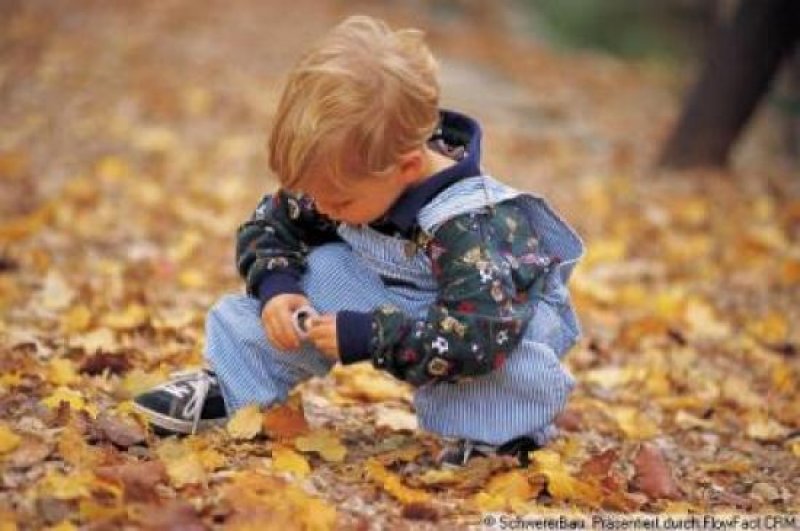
x: 392, y: 484
x: 323, y: 442
x: 285, y: 421
x: 245, y: 423
x: 121, y: 431
x: 653, y: 475
x: 62, y: 371
x: 184, y: 466
x: 8, y: 439
x: 287, y: 460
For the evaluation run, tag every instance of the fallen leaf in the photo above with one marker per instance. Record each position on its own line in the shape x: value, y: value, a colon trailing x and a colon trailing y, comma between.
x: 184, y: 466
x: 133, y: 316
x: 323, y: 442
x: 653, y: 475
x: 8, y: 439
x: 61, y: 371
x: 392, y: 484
x: 121, y: 431
x: 101, y: 362
x: 137, y: 479
x: 56, y: 293
x: 285, y: 421
x: 77, y: 319
x: 31, y: 453
x: 74, y: 398
x: 270, y: 503
x: 395, y: 419
x: 506, y: 491
x: 287, y: 460
x: 634, y: 423
x: 174, y: 514
x: 246, y: 423
x: 560, y: 483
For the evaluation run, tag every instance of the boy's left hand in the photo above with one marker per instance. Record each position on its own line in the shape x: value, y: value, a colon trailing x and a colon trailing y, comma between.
x: 322, y: 333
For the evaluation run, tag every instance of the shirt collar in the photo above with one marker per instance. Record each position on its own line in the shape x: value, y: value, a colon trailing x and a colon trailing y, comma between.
x: 456, y: 130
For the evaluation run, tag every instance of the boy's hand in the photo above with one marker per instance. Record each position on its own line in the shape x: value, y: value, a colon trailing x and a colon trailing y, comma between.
x: 322, y: 333
x: 278, y: 322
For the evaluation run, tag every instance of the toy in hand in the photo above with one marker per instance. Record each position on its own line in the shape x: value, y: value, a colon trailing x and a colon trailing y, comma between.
x: 301, y: 318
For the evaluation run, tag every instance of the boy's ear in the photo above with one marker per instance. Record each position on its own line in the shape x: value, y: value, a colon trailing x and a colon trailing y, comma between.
x: 411, y: 166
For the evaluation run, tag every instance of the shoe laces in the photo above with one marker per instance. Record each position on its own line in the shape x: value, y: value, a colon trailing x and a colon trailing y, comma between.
x: 198, y: 387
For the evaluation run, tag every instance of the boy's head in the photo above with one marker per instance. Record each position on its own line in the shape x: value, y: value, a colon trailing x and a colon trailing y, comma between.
x: 354, y: 117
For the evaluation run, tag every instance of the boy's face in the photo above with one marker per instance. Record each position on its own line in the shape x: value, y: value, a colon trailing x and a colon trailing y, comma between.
x: 366, y: 199
x: 363, y: 201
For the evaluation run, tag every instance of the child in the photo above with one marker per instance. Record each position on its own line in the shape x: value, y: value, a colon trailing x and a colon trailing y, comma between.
x: 413, y: 258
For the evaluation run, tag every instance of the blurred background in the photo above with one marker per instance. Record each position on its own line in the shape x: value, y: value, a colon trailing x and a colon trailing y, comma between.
x: 132, y: 139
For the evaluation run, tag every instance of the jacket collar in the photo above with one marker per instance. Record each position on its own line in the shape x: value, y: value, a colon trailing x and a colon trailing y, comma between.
x: 457, y: 134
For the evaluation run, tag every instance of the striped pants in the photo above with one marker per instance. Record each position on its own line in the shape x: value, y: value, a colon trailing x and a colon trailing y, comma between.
x: 520, y: 399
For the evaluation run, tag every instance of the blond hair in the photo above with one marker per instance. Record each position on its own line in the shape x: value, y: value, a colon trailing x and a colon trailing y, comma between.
x: 356, y: 102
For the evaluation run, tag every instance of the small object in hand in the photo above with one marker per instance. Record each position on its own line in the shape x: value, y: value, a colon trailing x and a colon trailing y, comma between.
x: 300, y: 319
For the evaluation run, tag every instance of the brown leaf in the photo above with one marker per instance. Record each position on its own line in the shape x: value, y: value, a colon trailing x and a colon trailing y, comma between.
x: 176, y: 515
x: 653, y: 475
x: 120, y: 431
x: 285, y: 422
x: 599, y: 465
x: 102, y: 361
x: 31, y: 452
x: 138, y: 479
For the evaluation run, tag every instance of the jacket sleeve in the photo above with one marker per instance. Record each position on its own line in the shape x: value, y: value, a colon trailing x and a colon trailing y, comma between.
x: 271, y: 247
x: 488, y: 264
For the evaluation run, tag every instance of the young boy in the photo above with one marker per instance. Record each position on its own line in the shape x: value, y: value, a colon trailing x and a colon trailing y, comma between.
x: 413, y: 258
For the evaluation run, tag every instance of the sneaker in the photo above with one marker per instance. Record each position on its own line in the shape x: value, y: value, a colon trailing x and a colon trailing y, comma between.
x: 190, y: 401
x: 463, y: 450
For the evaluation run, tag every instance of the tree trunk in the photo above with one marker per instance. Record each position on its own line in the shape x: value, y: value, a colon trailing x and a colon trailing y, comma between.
x: 742, y: 59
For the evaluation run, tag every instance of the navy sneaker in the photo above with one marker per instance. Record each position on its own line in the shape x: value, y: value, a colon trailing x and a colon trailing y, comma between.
x: 459, y: 454
x: 188, y: 402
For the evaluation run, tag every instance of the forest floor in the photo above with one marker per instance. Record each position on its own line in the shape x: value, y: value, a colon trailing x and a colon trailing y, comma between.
x: 132, y: 145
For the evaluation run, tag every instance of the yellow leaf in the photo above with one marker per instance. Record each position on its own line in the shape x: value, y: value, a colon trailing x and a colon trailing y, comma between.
x: 192, y: 278
x: 73, y: 448
x: 633, y: 422
x: 271, y: 503
x: 287, y: 460
x: 11, y: 379
x: 392, y: 484
x: 362, y: 382
x: 74, y: 398
x: 137, y: 381
x: 704, y: 320
x: 325, y: 443
x: 134, y: 316
x: 560, y: 483
x: 8, y: 520
x: 91, y: 342
x: 439, y: 477
x: 66, y: 487
x: 506, y: 490
x: 771, y: 329
x: 246, y: 423
x: 8, y: 439
x: 795, y: 446
x: 763, y: 428
x: 77, y: 319
x: 184, y: 466
x: 62, y: 371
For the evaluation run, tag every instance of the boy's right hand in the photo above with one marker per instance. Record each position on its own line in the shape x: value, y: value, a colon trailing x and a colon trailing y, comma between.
x: 278, y: 322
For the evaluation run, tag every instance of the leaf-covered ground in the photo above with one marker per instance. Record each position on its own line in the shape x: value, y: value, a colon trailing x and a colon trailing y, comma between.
x: 131, y: 146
